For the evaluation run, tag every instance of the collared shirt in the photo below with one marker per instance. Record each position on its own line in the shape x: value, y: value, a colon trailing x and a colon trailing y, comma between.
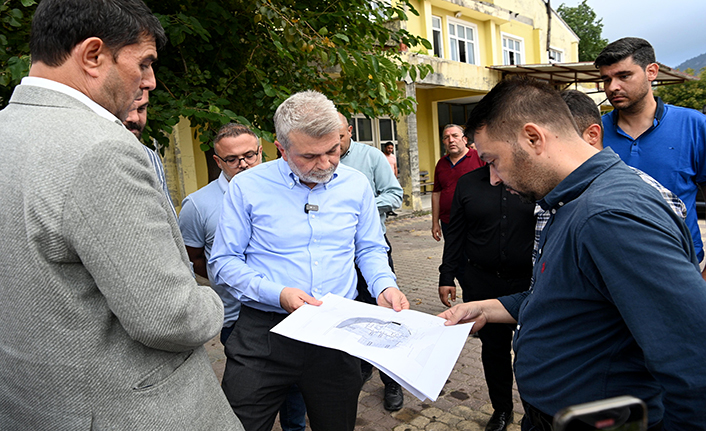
x: 372, y: 163
x: 101, y: 111
x: 72, y: 92
x: 266, y: 240
x: 446, y: 175
x: 156, y: 162
x: 672, y: 200
x: 491, y: 225
x: 617, y: 305
x: 200, y: 212
x: 672, y: 151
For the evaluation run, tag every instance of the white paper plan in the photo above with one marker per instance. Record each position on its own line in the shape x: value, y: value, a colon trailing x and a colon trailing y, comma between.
x: 414, y: 348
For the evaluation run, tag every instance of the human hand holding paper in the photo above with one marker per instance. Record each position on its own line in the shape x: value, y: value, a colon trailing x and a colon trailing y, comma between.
x: 416, y: 349
x: 393, y: 298
x: 292, y: 298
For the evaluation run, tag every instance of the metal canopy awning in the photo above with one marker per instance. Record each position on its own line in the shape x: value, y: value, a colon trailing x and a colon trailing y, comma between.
x: 583, y: 72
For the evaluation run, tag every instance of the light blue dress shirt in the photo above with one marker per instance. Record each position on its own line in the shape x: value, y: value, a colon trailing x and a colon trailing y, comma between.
x: 265, y: 241
x: 198, y: 220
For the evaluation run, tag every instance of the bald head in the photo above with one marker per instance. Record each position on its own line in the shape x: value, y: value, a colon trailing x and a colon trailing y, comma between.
x: 345, y: 133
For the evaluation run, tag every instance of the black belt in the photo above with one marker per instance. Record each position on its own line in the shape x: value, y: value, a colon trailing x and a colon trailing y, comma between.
x: 503, y: 274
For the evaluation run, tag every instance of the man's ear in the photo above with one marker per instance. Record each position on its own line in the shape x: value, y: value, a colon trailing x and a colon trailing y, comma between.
x: 592, y: 135
x: 92, y: 55
x: 533, y: 136
x: 281, y: 150
x: 651, y: 70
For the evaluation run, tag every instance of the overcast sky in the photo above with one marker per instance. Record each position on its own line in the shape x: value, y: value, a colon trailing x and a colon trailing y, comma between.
x: 676, y: 29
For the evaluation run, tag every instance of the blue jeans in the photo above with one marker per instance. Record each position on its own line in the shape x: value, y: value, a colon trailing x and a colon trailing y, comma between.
x: 292, y: 414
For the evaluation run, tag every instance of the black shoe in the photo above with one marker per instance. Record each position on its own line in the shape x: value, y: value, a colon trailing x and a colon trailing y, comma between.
x: 394, y: 398
x: 499, y: 421
x: 391, y: 214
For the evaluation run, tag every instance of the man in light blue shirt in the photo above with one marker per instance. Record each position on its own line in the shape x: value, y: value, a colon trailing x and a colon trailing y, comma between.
x: 388, y: 196
x: 236, y: 149
x: 289, y: 233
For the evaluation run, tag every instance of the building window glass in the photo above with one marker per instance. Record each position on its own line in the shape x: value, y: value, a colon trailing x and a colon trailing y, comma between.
x: 462, y: 42
x: 373, y: 131
x: 556, y: 55
x: 512, y: 51
x: 436, y: 36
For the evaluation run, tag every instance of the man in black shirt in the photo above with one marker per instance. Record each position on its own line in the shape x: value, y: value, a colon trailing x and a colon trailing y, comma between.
x: 496, y: 231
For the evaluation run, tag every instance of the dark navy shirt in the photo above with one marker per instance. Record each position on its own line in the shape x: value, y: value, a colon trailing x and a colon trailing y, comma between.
x: 618, y: 306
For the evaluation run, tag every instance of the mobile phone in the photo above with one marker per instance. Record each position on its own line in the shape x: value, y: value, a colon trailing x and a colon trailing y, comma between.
x: 624, y: 413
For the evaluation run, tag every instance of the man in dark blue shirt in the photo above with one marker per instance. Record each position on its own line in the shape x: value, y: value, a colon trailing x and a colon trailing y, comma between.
x: 617, y: 302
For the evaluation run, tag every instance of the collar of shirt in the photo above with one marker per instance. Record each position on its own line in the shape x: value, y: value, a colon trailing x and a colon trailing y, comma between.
x: 453, y: 165
x: 350, y: 148
x: 659, y: 113
x: 72, y: 92
x: 573, y: 185
x: 291, y: 179
x: 222, y: 182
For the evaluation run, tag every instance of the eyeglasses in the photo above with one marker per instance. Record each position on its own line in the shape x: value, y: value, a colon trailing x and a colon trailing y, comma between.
x: 233, y: 161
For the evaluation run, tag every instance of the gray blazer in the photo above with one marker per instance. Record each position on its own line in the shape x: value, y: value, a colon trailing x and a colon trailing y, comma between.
x: 102, y: 325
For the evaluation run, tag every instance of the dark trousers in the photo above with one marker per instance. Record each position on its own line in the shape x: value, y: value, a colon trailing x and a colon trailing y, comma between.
x: 365, y: 296
x: 462, y: 263
x: 292, y: 414
x: 496, y: 338
x: 262, y: 366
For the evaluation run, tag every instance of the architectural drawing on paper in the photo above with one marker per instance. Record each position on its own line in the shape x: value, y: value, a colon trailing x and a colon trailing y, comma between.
x: 376, y: 332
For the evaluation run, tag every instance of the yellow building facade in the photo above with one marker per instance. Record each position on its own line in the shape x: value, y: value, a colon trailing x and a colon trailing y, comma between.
x: 467, y: 36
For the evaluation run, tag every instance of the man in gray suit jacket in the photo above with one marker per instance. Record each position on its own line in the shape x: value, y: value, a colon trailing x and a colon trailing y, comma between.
x: 92, y: 334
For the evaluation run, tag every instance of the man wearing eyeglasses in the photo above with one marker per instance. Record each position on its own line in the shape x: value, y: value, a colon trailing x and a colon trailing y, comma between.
x: 236, y: 149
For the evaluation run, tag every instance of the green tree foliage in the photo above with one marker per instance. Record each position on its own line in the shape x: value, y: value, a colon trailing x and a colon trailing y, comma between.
x: 582, y: 20
x: 14, y: 44
x: 237, y: 60
x: 691, y: 94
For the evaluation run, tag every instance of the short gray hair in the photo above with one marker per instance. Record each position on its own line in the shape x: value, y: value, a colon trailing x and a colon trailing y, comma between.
x: 308, y: 112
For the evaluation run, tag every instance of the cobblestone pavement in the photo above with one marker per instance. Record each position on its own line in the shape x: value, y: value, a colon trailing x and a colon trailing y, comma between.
x: 463, y: 403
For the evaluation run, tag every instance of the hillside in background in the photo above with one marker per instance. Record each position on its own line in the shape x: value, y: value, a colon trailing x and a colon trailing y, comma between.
x: 695, y: 63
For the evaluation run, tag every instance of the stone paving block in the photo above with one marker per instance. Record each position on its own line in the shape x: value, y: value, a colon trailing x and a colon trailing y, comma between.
x: 449, y: 419
x: 437, y: 426
x: 469, y: 426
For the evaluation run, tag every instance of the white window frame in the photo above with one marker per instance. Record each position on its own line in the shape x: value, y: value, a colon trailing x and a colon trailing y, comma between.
x: 558, y: 51
x: 375, y: 130
x: 454, y: 38
x: 506, y: 51
x: 440, y: 29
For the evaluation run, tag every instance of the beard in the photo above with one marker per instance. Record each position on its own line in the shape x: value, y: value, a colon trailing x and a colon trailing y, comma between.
x: 528, y: 181
x: 632, y: 102
x: 317, y: 176
x: 134, y: 128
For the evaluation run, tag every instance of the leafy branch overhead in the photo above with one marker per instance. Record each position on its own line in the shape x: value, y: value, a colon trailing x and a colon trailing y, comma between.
x: 582, y: 20
x: 237, y: 60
